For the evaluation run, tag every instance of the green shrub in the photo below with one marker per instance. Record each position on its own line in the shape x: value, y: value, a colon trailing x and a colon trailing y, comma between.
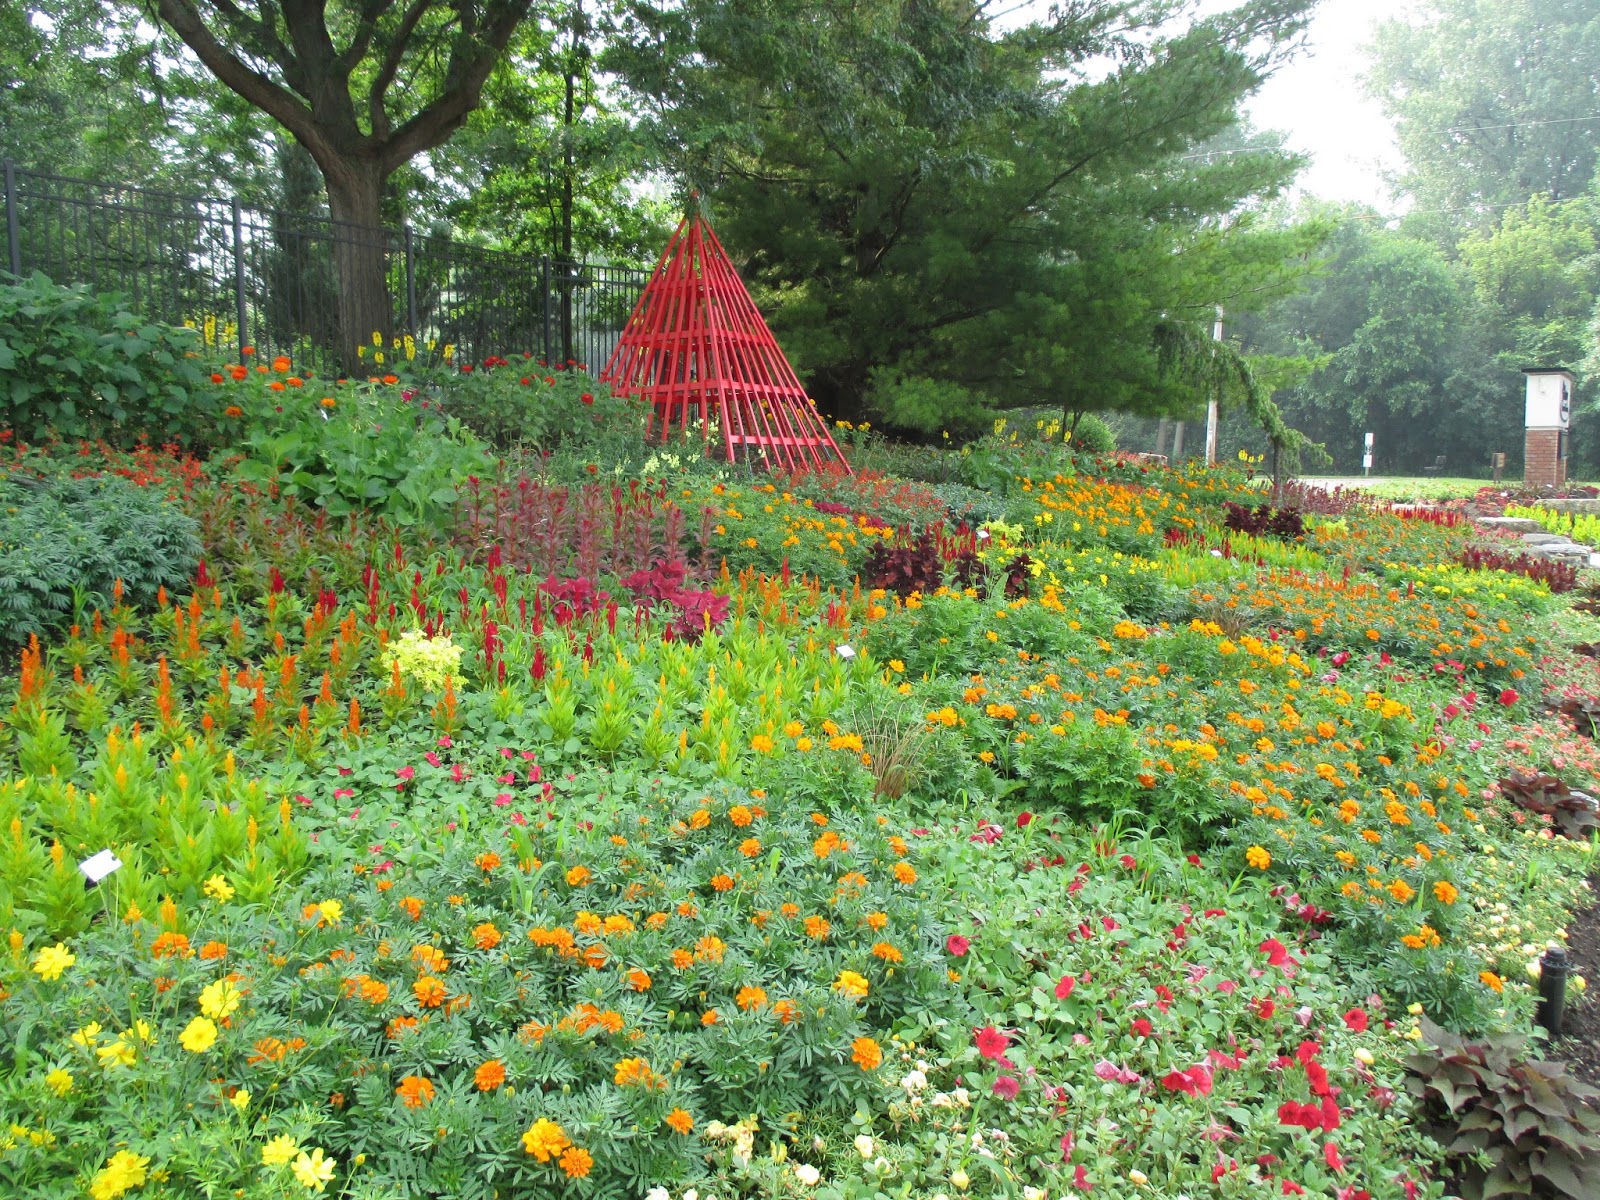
x: 522, y: 404
x: 78, y: 364
x: 65, y: 542
x: 1093, y: 435
x: 348, y: 447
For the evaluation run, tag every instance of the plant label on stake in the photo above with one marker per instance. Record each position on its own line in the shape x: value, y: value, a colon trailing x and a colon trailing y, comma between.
x: 97, y: 866
x: 844, y: 652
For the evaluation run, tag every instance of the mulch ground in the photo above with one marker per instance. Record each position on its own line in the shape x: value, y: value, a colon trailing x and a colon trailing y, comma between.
x: 1580, y: 1044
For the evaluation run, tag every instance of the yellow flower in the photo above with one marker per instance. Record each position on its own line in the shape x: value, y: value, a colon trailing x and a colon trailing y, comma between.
x: 241, y: 1099
x: 218, y: 888
x: 59, y: 1081
x: 313, y: 1170
x: 51, y: 961
x: 851, y: 984
x: 219, y: 999
x: 118, y: 1054
x: 761, y: 744
x: 1258, y: 858
x: 279, y: 1151
x: 198, y: 1036
x: 88, y: 1035
x: 124, y: 1172
x: 330, y: 912
x: 545, y: 1139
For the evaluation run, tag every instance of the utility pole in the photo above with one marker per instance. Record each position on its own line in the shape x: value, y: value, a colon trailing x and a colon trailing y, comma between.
x: 1211, y: 405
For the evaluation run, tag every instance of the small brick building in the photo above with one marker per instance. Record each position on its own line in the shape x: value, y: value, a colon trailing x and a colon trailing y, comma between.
x: 1548, y: 419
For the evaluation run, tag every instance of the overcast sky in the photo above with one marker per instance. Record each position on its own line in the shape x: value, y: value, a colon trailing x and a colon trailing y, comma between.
x: 1317, y: 100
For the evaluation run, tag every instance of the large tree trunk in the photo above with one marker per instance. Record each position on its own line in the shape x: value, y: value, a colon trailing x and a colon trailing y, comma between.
x: 361, y: 261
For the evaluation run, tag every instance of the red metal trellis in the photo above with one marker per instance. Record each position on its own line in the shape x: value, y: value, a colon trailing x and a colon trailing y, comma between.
x: 697, y: 348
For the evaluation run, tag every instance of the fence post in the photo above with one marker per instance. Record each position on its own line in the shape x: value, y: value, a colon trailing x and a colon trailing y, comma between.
x: 411, y: 283
x: 238, y: 276
x: 544, y: 289
x: 13, y: 233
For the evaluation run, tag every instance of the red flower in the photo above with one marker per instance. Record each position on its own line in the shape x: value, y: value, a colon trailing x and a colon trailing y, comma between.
x: 587, y: 398
x: 1064, y: 988
x: 1356, y: 1019
x: 1291, y: 1188
x: 1129, y: 861
x: 957, y: 945
x: 1066, y: 1145
x: 1196, y: 1081
x: 1509, y: 697
x: 1330, y: 1155
x: 1264, y: 1008
x: 991, y: 1042
x: 1143, y: 1027
x: 1277, y: 953
x: 1080, y: 1178
x: 1006, y: 1087
x: 1024, y: 819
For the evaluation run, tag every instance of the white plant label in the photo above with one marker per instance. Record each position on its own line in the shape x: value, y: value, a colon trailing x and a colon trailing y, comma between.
x: 97, y: 866
x: 845, y: 652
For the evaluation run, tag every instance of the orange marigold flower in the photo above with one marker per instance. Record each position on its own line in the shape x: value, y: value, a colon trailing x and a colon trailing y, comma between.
x: 682, y: 959
x: 866, y: 1053
x: 489, y: 1076
x: 485, y: 936
x: 791, y: 911
x: 212, y: 951
x: 170, y: 945
x: 786, y: 1011
x: 374, y: 991
x: 487, y: 861
x: 639, y: 980
x: 887, y: 952
x: 400, y: 1025
x: 751, y: 998
x: 722, y: 882
x: 1401, y: 891
x: 428, y: 991
x: 876, y: 921
x: 233, y: 410
x: 818, y: 927
x: 740, y: 815
x: 709, y: 1017
x: 411, y: 906
x: 750, y: 847
x: 679, y: 1121
x: 576, y: 1161
x: 709, y: 949
x: 1445, y: 893
x: 636, y: 1072
x: 905, y: 873
x: 578, y: 876
x: 415, y: 1091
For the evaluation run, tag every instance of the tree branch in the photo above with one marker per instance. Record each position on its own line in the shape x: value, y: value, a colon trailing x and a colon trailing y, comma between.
x: 377, y: 114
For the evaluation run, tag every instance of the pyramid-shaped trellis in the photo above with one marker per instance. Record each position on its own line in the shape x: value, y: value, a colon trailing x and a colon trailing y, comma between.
x: 697, y: 349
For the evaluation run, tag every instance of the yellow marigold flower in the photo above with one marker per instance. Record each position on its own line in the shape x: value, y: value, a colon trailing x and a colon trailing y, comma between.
x: 329, y: 912
x: 1258, y: 857
x: 793, y: 729
x: 851, y: 984
x: 198, y: 1036
x: 545, y: 1140
x: 279, y: 1151
x: 123, y: 1172
x: 51, y: 961
x: 218, y: 888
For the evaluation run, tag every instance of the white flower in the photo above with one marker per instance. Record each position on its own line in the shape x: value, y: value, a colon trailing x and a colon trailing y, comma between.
x: 691, y: 1194
x: 808, y: 1175
x: 864, y: 1145
x: 914, y: 1081
x: 963, y: 1098
x: 658, y: 1193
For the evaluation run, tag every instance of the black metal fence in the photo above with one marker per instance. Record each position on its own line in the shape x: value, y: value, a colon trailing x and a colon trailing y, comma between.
x: 265, y: 278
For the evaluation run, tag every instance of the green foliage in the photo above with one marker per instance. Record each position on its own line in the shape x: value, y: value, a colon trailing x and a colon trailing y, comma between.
x: 941, y: 217
x: 550, y: 411
x: 1492, y: 101
x: 1510, y: 1125
x: 65, y: 542
x: 77, y: 364
x: 348, y: 447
